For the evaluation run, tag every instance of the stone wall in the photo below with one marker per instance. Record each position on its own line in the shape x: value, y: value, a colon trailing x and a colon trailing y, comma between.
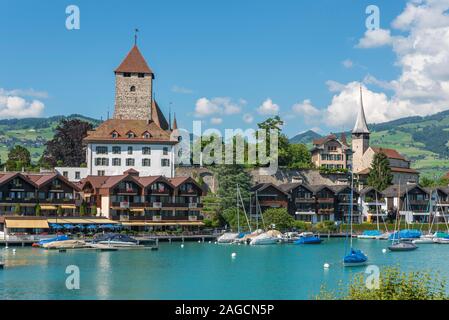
x: 313, y: 177
x: 134, y: 105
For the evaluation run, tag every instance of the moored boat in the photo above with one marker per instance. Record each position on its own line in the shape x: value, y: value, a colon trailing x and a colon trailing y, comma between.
x: 269, y: 237
x: 370, y: 234
x: 227, y: 237
x: 403, y: 246
x: 48, y: 240
x: 308, y: 238
x: 65, y: 244
x: 115, y: 240
x: 355, y: 258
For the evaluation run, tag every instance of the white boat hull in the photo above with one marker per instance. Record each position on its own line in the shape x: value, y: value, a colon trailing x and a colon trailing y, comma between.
x: 256, y: 242
x: 118, y: 244
x: 441, y: 241
x: 227, y: 237
x: 423, y: 241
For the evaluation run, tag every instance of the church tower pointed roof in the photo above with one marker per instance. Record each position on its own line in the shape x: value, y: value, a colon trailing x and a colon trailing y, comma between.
x: 360, y: 124
x: 134, y: 63
x: 175, y: 124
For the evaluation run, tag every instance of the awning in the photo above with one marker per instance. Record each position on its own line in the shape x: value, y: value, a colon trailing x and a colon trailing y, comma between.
x: 26, y: 224
x: 170, y: 223
x: 81, y: 221
x: 68, y: 206
x: 49, y: 208
x: 137, y: 210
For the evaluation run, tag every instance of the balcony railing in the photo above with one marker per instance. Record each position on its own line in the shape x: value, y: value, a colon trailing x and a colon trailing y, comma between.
x: 304, y: 199
x: 325, y: 199
x: 16, y: 200
x: 155, y: 205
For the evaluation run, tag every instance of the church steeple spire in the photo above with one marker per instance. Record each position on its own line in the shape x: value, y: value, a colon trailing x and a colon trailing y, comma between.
x: 360, y: 124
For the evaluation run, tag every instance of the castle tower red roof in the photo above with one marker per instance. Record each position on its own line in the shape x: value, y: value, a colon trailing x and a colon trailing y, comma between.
x: 134, y: 63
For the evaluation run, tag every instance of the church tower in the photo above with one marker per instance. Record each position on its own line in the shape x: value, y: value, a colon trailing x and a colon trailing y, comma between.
x: 133, y: 88
x: 360, y: 139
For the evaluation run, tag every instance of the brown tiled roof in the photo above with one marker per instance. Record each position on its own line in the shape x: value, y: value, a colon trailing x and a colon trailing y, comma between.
x: 146, y: 181
x: 175, y: 123
x: 177, y: 181
x: 36, y: 179
x: 122, y: 127
x: 324, y: 140
x: 95, y: 181
x: 393, y: 169
x: 390, y: 153
x: 134, y: 63
x: 158, y: 117
x: 132, y: 171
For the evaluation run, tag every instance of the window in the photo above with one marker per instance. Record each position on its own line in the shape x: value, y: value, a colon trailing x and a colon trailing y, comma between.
x: 65, y: 174
x: 130, y: 150
x: 102, y: 150
x: 332, y: 148
x: 165, y: 162
x: 77, y: 175
x: 146, y: 150
x: 115, y: 134
x: 141, y: 75
x: 100, y: 172
x: 101, y: 161
x: 132, y: 89
x: 146, y: 162
x: 116, y: 162
x: 129, y: 161
x: 131, y: 135
x: 165, y: 151
x: 179, y: 139
x: 146, y: 135
x: 127, y: 74
x: 116, y: 150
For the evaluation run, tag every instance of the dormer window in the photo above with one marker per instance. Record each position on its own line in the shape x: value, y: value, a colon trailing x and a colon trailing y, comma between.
x: 146, y: 135
x: 131, y: 135
x: 114, y: 134
x: 132, y: 89
x: 127, y: 75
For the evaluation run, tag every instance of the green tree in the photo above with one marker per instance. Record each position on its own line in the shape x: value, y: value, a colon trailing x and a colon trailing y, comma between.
x: 18, y: 157
x: 17, y: 209
x: 228, y: 177
x: 59, y: 211
x: 93, y: 210
x: 230, y: 217
x: 67, y: 144
x: 299, y: 156
x: 83, y: 209
x: 37, y: 210
x: 380, y: 176
x: 279, y: 217
x: 212, y: 209
x: 394, y: 284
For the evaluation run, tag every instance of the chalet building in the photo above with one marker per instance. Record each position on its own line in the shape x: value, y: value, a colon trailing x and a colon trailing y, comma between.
x: 24, y: 192
x: 138, y: 201
x: 440, y: 203
x: 373, y: 205
x: 321, y: 203
x: 363, y: 154
x: 411, y: 200
x: 331, y: 153
x: 267, y: 195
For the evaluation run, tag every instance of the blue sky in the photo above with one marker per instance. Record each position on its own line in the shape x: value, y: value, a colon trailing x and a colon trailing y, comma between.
x: 250, y: 50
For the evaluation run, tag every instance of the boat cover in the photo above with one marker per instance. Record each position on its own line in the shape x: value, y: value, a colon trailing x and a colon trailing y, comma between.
x: 355, y: 256
x: 372, y: 233
x: 406, y: 234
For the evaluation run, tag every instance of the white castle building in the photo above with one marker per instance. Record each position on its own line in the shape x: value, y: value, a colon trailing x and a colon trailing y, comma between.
x: 138, y: 137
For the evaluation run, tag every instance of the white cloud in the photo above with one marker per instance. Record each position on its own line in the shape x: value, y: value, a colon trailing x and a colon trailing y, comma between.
x: 14, y: 106
x: 307, y: 110
x: 24, y: 92
x: 347, y: 63
x: 375, y: 38
x: 248, y: 118
x: 268, y: 108
x: 181, y: 90
x: 220, y: 105
x: 422, y: 54
x: 216, y: 120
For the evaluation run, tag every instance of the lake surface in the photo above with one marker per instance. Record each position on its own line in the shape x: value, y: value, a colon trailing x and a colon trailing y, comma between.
x: 200, y: 270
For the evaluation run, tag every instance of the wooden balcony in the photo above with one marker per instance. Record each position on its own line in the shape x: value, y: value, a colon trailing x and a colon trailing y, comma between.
x: 326, y: 200
x: 273, y: 203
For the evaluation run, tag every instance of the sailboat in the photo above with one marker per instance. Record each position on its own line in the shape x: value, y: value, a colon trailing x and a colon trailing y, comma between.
x: 354, y: 257
x: 396, y: 236
x: 376, y: 234
x: 260, y: 237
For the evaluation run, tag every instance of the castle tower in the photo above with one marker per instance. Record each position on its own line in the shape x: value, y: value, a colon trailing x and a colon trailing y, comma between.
x: 133, y: 88
x: 360, y: 139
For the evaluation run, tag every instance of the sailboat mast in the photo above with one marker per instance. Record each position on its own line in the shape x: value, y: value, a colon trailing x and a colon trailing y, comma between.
x: 351, y: 203
x: 237, y: 206
x: 257, y: 212
x: 377, y: 213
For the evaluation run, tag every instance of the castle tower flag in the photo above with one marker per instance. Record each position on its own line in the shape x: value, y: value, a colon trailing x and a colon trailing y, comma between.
x: 133, y: 88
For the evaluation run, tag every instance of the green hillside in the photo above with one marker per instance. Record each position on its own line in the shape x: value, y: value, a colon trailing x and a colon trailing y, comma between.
x: 31, y: 133
x: 424, y: 140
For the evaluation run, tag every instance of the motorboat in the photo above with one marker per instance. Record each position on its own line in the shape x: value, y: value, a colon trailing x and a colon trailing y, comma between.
x: 269, y: 237
x: 370, y: 234
x: 249, y: 236
x: 65, y: 244
x: 115, y: 240
x: 228, y: 237
x: 290, y: 237
x: 441, y: 240
x: 355, y: 258
x: 308, y: 238
x: 403, y: 246
x: 425, y: 239
x: 384, y: 236
x: 41, y: 243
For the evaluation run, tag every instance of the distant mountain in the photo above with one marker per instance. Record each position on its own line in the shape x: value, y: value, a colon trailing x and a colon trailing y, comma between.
x: 305, y: 137
x: 32, y: 133
x: 424, y: 140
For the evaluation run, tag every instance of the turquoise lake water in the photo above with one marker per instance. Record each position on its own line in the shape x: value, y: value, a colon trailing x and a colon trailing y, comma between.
x: 200, y: 270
